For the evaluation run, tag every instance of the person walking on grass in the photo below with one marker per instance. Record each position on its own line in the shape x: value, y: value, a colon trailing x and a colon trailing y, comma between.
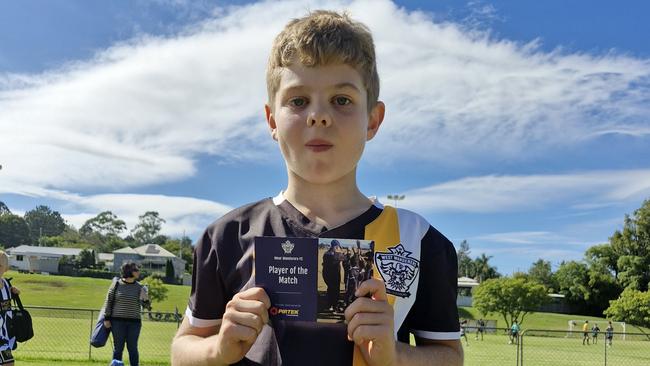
x: 594, y: 333
x: 124, y: 316
x: 480, y: 328
x: 7, y: 341
x: 585, y: 332
x: 514, y: 333
x: 609, y: 334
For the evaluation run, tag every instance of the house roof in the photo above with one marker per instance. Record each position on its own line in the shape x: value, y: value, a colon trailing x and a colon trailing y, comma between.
x: 153, y: 250
x: 127, y: 250
x: 467, y: 282
x: 147, y: 250
x: 52, y: 251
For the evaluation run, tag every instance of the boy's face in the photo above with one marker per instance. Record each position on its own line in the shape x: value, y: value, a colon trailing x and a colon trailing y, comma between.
x: 321, y: 121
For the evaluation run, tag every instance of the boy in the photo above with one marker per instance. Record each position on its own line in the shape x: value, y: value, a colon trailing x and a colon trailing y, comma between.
x: 594, y: 333
x: 323, y: 87
x: 585, y: 332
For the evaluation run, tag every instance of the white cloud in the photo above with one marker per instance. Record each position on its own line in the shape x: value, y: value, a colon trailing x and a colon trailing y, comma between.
x: 142, y: 112
x: 182, y: 214
x: 531, y: 192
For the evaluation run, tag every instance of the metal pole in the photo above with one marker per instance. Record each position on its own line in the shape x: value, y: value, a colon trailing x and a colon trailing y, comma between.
x: 605, y: 345
x: 90, y: 348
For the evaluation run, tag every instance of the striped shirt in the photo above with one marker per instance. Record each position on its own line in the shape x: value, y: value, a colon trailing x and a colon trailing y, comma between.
x: 125, y: 301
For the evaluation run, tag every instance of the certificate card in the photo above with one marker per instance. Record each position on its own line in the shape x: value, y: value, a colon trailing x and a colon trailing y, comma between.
x: 311, y: 279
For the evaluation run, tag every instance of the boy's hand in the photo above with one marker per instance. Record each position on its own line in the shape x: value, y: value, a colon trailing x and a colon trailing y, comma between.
x: 242, y: 322
x: 15, y: 290
x: 371, y: 324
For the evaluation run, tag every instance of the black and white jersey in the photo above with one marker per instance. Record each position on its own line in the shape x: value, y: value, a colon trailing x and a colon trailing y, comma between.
x: 7, y: 341
x: 416, y: 262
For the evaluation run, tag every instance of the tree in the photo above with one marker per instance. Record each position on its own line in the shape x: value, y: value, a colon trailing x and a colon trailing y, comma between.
x: 170, y: 277
x: 573, y: 281
x: 4, y: 210
x: 465, y: 264
x: 103, y: 231
x: 482, y: 268
x: 42, y: 221
x: 589, y: 287
x: 541, y: 272
x: 632, y: 247
x: 512, y: 298
x: 86, y: 259
x: 157, y: 290
x: 105, y: 223
x: 13, y: 231
x: 147, y: 228
x: 633, y: 306
x: 185, y: 246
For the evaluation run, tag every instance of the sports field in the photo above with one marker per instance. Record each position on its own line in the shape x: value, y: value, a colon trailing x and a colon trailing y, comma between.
x: 557, y: 351
x: 61, y: 337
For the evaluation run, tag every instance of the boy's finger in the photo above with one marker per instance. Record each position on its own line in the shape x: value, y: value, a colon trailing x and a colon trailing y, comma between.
x: 361, y: 319
x: 243, y: 320
x: 251, y: 306
x: 374, y: 288
x: 366, y: 333
x: 255, y: 293
x: 250, y: 320
x: 366, y: 305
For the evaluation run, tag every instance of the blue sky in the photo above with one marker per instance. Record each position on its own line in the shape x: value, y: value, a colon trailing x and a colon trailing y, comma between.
x: 522, y: 127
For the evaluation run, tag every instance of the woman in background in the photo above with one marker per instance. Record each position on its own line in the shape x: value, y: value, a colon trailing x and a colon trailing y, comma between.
x: 122, y: 312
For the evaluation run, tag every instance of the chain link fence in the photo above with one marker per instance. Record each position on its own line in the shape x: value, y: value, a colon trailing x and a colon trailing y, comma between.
x: 577, y: 348
x: 64, y: 334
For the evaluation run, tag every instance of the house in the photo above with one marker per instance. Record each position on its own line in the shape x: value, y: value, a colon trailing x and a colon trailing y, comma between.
x: 150, y: 257
x: 465, y: 287
x: 39, y: 259
x: 107, y: 259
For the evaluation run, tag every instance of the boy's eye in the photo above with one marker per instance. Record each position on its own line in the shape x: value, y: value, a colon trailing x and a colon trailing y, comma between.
x: 342, y: 100
x: 297, y: 102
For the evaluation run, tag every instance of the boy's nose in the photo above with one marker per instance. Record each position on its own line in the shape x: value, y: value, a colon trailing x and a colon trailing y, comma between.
x: 319, y: 119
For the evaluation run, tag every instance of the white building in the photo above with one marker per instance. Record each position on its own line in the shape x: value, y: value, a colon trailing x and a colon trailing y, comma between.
x: 39, y: 259
x: 151, y: 257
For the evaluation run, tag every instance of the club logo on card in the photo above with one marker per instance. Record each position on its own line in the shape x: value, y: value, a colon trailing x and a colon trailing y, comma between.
x: 288, y: 246
x: 397, y: 269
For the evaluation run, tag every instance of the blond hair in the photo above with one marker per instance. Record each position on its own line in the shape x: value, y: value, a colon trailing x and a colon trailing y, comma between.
x: 4, y: 260
x: 322, y: 38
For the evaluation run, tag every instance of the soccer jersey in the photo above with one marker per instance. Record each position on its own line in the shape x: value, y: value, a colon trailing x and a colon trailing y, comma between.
x: 7, y: 341
x: 417, y: 263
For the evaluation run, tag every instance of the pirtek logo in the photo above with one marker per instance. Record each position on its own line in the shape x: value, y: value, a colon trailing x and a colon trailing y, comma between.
x: 288, y: 312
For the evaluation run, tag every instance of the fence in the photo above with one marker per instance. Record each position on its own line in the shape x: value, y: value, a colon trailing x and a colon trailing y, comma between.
x: 552, y: 347
x: 64, y: 334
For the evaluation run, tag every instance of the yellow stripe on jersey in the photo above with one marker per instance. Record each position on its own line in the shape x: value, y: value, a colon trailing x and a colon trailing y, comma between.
x: 384, y: 231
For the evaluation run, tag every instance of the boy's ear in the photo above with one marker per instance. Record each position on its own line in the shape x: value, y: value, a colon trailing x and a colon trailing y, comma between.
x: 270, y: 120
x: 375, y: 119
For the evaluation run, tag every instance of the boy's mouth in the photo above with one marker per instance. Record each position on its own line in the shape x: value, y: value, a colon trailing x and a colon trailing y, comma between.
x: 318, y: 145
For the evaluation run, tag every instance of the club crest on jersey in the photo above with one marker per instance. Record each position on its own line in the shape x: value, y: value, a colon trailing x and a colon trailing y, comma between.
x: 397, y: 269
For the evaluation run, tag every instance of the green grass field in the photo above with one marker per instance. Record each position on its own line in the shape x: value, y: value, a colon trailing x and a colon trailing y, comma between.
x: 81, y: 292
x: 61, y: 337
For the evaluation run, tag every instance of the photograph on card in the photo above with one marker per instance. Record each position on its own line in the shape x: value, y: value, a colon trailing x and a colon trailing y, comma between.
x: 343, y: 264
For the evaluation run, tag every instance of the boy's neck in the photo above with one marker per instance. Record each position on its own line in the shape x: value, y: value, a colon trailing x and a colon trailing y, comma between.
x: 331, y: 204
